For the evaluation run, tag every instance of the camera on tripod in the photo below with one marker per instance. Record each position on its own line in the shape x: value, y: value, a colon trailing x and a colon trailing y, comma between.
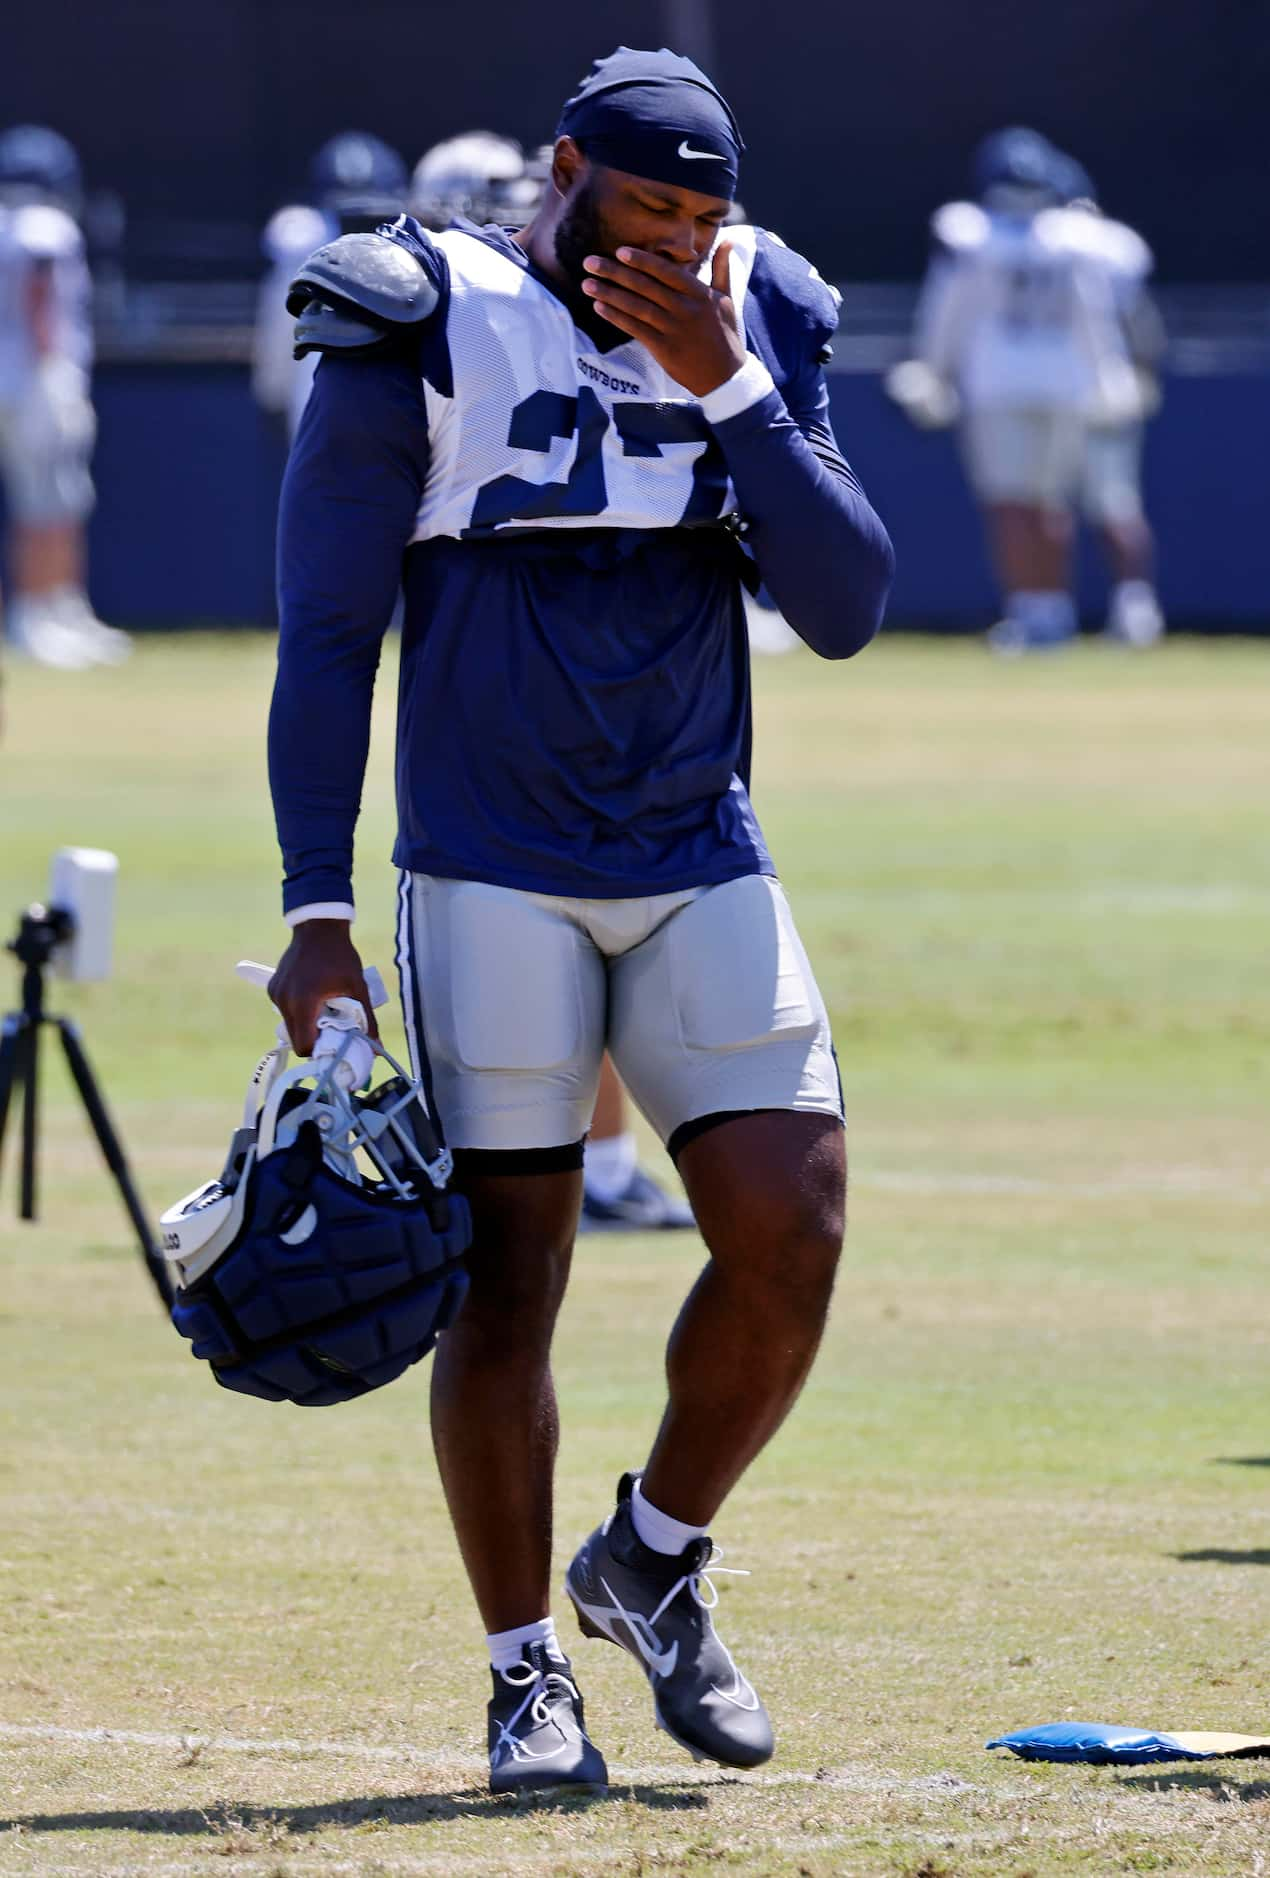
x: 74, y: 932
x: 73, y: 935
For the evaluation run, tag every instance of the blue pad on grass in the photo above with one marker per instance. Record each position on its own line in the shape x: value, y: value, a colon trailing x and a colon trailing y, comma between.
x: 1103, y: 1744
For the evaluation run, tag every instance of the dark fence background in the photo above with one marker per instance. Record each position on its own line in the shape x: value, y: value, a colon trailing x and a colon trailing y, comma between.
x: 858, y: 119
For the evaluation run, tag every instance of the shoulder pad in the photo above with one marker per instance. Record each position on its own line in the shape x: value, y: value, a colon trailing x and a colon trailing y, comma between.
x: 959, y: 226
x: 799, y: 278
x: 293, y: 232
x: 1069, y: 230
x: 1126, y: 249
x: 1112, y: 245
x: 357, y: 291
x: 811, y: 303
x: 47, y: 232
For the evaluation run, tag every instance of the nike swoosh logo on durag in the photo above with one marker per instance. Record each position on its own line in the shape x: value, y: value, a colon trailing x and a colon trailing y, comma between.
x: 708, y: 156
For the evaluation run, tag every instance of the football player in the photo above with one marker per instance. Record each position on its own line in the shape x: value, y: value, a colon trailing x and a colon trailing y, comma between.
x: 47, y: 424
x: 355, y: 181
x: 575, y: 442
x: 485, y: 178
x: 1111, y: 485
x: 1016, y: 336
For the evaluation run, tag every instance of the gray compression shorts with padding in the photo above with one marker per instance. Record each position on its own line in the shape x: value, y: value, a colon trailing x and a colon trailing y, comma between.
x: 356, y: 292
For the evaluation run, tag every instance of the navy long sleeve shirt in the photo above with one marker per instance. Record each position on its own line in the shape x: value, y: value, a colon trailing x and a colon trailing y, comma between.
x: 573, y: 712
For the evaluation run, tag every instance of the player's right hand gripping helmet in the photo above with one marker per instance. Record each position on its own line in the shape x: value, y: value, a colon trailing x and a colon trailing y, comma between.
x: 300, y: 1279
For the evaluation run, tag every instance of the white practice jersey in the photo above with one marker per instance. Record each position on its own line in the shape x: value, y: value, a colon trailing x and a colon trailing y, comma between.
x: 280, y: 382
x: 1020, y: 312
x: 37, y: 237
x: 1126, y: 263
x: 594, y: 434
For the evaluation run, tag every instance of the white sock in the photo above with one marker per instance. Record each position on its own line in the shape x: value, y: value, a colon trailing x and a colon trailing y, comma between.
x: 659, y: 1532
x: 71, y: 603
x: 1129, y: 596
x: 607, y: 1165
x: 1134, y: 613
x: 507, y: 1646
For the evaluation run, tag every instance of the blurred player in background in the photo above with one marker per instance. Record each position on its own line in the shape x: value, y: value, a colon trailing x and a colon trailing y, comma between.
x: 477, y: 175
x: 481, y: 177
x: 356, y: 181
x: 47, y: 424
x: 1018, y: 337
x: 1111, y: 485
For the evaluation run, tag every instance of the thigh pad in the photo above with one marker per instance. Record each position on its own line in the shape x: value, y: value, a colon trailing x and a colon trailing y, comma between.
x: 737, y: 969
x: 515, y: 997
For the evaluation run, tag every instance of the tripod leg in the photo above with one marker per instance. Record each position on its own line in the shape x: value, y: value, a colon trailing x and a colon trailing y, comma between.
x: 29, y: 1054
x: 11, y: 1031
x: 110, y: 1146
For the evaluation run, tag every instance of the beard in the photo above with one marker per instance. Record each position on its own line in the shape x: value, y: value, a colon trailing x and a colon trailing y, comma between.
x: 582, y: 231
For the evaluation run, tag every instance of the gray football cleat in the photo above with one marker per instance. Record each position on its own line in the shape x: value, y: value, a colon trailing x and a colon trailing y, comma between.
x: 658, y: 1609
x: 537, y: 1732
x: 642, y: 1206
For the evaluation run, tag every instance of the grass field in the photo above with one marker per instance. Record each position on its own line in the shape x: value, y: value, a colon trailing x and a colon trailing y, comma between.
x: 1028, y: 1480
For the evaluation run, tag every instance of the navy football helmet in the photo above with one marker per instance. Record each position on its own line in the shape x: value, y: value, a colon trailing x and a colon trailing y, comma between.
x: 358, y: 179
x: 328, y: 1256
x: 1074, y: 183
x: 39, y: 165
x: 1016, y: 165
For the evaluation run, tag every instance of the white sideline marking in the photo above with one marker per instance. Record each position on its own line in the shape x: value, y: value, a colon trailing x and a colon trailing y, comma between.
x: 236, y: 1744
x: 931, y: 1786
